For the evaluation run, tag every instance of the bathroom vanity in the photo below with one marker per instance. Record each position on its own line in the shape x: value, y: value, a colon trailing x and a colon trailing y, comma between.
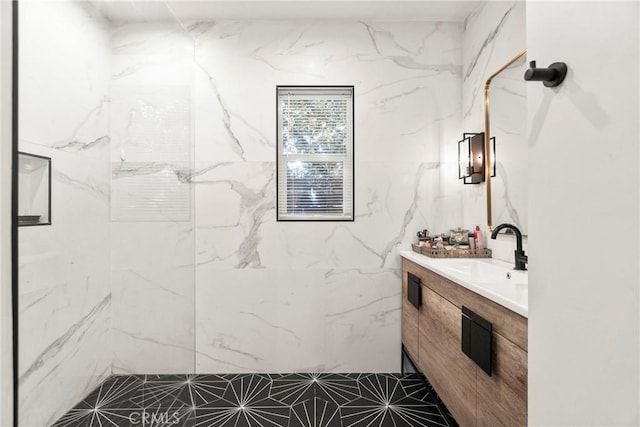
x: 464, y: 326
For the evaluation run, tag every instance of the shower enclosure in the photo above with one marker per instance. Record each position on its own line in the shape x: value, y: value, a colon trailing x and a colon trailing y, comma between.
x: 163, y: 254
x: 108, y: 287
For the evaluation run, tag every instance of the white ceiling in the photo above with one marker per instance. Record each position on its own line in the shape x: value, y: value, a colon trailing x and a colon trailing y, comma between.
x: 398, y: 10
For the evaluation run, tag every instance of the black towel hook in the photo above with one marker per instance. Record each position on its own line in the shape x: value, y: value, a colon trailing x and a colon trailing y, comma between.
x: 550, y: 77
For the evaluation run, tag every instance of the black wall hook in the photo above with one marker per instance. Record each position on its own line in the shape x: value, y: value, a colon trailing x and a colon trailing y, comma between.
x: 550, y: 77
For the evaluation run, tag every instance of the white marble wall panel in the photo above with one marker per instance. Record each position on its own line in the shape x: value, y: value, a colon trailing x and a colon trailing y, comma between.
x: 237, y: 229
x: 152, y: 323
x: 152, y: 279
x: 150, y: 53
x: 342, y: 276
x: 259, y: 320
x: 65, y: 299
x: 152, y: 256
x: 362, y: 319
x: 139, y: 245
x: 303, y: 320
x: 406, y: 74
x: 275, y: 296
x: 493, y: 34
x: 234, y: 207
x: 71, y: 355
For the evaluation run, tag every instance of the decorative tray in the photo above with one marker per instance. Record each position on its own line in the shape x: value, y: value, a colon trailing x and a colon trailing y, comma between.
x: 456, y: 252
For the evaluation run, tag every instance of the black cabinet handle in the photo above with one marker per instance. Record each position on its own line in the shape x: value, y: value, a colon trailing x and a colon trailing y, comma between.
x: 414, y: 290
x: 477, y: 339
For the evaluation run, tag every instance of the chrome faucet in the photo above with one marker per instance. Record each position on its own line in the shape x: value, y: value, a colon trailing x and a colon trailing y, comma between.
x: 520, y: 258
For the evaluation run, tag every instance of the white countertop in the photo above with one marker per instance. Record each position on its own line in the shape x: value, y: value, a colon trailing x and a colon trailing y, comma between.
x: 484, y: 276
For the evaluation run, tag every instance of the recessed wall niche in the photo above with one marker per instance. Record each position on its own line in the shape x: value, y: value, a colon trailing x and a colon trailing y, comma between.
x: 34, y: 189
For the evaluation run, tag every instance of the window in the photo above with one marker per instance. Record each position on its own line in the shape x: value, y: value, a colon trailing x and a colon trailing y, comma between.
x: 315, y: 153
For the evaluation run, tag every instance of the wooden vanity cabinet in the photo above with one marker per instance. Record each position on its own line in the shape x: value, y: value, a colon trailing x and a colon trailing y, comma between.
x: 450, y: 371
x: 502, y: 397
x: 472, y: 396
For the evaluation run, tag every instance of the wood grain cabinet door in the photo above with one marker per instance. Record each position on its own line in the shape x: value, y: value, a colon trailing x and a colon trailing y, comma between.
x: 502, y: 397
x: 441, y: 359
x: 409, y: 321
x: 433, y: 335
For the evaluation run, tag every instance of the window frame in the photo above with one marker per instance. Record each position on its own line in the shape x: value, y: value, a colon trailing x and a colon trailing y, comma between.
x: 281, y: 194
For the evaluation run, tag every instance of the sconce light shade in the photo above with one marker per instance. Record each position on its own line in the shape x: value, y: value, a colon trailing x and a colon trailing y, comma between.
x: 471, y: 161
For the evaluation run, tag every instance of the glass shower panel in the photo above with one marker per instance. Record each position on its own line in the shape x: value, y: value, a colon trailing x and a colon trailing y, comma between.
x: 108, y: 287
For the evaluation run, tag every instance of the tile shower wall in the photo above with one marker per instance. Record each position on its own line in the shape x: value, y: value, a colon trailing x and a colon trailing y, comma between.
x: 313, y: 296
x: 269, y: 296
x: 65, y: 301
x: 152, y: 208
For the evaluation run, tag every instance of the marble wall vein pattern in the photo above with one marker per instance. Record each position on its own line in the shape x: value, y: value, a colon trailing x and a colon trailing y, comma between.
x: 167, y: 295
x: 224, y: 287
x: 493, y: 34
x: 307, y: 297
x: 64, y: 292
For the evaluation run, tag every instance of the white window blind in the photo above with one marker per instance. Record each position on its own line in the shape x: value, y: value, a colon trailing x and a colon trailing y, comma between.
x: 315, y: 153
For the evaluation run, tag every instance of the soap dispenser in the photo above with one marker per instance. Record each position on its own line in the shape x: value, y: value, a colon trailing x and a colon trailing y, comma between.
x: 478, y: 238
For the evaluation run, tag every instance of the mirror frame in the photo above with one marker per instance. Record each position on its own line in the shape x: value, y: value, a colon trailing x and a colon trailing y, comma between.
x: 487, y: 136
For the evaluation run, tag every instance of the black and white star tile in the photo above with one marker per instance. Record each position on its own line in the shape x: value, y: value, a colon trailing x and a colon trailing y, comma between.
x: 260, y: 400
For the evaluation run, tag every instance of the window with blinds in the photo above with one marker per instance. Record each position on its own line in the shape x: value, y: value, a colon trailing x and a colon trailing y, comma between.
x: 315, y: 153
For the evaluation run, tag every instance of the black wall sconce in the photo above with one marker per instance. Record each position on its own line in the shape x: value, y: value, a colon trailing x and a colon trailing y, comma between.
x: 550, y: 77
x: 471, y: 161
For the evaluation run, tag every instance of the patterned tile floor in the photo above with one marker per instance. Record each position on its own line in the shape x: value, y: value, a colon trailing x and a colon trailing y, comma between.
x: 265, y: 400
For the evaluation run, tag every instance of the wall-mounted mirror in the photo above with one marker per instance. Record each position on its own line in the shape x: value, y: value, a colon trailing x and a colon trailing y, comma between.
x: 505, y: 119
x: 34, y: 190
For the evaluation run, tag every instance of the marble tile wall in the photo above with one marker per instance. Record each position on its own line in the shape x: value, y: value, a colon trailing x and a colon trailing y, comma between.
x: 220, y: 286
x: 64, y: 294
x: 152, y: 250
x: 310, y: 296
x: 493, y: 33
x: 225, y: 288
x: 272, y: 296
